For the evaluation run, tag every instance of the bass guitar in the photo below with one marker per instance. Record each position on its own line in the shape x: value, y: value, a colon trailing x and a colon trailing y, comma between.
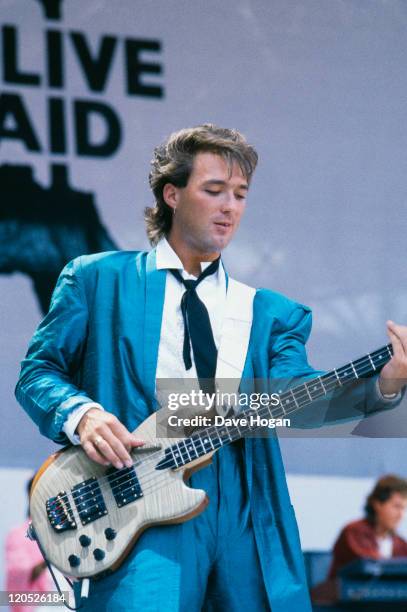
x: 86, y: 517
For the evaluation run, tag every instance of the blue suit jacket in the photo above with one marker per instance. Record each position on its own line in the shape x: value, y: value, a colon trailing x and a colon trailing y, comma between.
x: 99, y: 342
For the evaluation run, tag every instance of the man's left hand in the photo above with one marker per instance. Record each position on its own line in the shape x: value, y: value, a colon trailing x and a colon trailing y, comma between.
x: 393, y: 376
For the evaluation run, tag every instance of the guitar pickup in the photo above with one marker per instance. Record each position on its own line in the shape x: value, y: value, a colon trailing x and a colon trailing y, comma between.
x: 125, y: 485
x: 89, y: 500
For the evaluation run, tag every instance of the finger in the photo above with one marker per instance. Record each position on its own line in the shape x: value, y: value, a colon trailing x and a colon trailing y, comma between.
x: 105, y: 448
x: 401, y: 332
x: 128, y: 439
x: 136, y: 441
x: 93, y: 453
x: 107, y: 443
x: 398, y: 352
x: 118, y: 447
x: 113, y: 440
x: 398, y: 349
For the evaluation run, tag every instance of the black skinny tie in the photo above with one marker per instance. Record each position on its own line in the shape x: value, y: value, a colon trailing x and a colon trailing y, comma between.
x: 198, y: 330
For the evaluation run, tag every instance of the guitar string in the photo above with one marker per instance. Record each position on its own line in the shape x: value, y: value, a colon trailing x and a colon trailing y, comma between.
x: 132, y: 480
x: 212, y: 429
x: 305, y: 394
x: 184, y: 453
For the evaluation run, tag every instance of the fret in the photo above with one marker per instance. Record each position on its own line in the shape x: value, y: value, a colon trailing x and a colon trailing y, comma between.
x: 347, y: 372
x: 186, y: 448
x: 285, y: 399
x: 302, y: 400
x: 219, y: 441
x: 177, y: 455
x: 306, y: 388
x: 194, y: 447
x: 332, y: 381
x: 317, y: 388
x: 322, y: 384
x: 184, y: 452
x: 338, y: 378
x: 295, y: 401
x: 190, y: 449
x: 207, y: 441
x: 203, y: 442
x: 173, y: 456
x: 360, y: 366
x: 223, y: 431
x: 373, y: 365
x: 270, y: 409
x: 303, y: 396
x: 197, y: 439
x: 279, y: 405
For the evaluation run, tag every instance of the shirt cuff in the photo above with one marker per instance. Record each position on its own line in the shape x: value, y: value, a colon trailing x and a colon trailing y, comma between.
x: 72, y: 421
x: 386, y: 397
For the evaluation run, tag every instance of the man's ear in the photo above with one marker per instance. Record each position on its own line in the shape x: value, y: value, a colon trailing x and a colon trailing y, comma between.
x: 170, y: 195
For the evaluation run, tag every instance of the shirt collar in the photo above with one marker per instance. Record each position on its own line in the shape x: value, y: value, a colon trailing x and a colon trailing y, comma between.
x: 167, y: 259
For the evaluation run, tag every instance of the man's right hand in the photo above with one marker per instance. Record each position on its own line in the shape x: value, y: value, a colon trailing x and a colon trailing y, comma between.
x: 105, y: 440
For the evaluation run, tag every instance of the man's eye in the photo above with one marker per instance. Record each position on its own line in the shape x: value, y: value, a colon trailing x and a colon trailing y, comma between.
x: 240, y: 197
x: 212, y: 192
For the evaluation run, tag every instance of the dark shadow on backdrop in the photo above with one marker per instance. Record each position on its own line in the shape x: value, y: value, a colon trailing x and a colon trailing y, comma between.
x: 42, y: 228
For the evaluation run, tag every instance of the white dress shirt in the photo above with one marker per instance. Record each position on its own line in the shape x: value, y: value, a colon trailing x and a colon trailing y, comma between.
x: 211, y: 291
x: 385, y: 546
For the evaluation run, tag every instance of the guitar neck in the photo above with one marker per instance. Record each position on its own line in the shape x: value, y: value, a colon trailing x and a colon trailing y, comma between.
x: 212, y: 438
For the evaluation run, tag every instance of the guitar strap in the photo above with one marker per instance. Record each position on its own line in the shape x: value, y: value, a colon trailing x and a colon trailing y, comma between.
x: 236, y: 328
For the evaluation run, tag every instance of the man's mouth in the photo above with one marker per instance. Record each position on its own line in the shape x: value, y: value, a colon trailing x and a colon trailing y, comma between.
x: 223, y: 223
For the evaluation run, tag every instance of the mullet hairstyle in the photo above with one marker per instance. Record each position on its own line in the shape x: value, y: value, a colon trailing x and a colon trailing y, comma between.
x: 173, y: 162
x: 383, y: 490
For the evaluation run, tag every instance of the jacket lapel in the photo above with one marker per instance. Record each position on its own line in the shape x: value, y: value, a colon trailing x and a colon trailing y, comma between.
x: 155, y: 292
x: 234, y: 343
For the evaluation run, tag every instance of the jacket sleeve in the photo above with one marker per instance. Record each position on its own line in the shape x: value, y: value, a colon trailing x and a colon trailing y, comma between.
x: 289, y: 367
x: 46, y: 388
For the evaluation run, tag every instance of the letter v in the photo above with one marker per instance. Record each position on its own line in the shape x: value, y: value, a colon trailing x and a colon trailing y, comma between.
x: 95, y: 69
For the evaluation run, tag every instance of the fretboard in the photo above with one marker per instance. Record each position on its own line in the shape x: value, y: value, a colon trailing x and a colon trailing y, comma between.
x: 212, y: 438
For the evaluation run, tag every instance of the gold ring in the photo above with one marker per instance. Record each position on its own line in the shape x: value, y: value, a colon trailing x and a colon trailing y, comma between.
x: 98, y: 440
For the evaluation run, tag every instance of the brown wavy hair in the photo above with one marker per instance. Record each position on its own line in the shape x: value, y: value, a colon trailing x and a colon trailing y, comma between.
x: 173, y: 163
x: 383, y: 490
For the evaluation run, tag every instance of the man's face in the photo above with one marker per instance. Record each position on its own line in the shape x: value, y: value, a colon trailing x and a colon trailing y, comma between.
x: 207, y: 211
x: 390, y: 513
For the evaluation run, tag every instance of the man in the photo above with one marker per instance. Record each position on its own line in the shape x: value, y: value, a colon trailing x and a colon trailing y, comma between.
x: 120, y: 321
x: 374, y: 537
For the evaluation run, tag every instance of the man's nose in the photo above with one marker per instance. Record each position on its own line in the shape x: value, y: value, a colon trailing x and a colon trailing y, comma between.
x: 229, y: 202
